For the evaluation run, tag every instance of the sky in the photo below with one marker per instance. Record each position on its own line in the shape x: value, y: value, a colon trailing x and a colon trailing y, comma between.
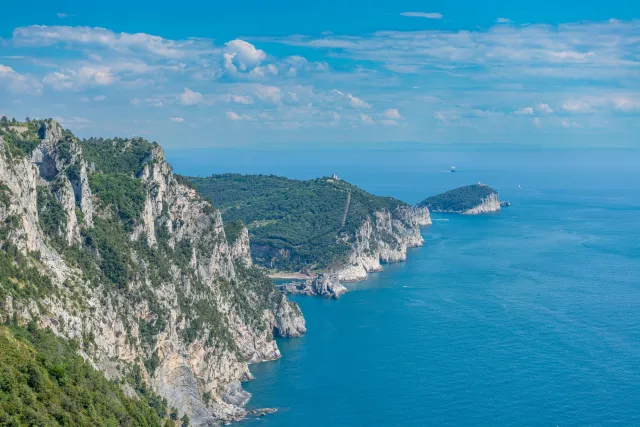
x: 262, y: 73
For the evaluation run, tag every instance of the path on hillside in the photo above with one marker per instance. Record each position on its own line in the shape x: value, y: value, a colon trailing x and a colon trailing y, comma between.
x: 346, y: 209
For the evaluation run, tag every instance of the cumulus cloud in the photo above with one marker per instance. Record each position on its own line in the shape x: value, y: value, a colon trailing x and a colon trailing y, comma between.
x: 544, y: 108
x: 526, y: 111
x: 69, y: 79
x: 625, y: 104
x: 240, y: 99
x: 234, y: 117
x: 242, y: 55
x: 577, y: 106
x: 365, y: 118
x: 393, y: 114
x: 176, y: 119
x: 189, y: 97
x: 269, y: 94
x: 18, y: 83
x: 428, y: 15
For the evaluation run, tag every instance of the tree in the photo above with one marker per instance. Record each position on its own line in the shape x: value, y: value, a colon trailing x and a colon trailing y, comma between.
x: 4, y: 121
x: 185, y: 420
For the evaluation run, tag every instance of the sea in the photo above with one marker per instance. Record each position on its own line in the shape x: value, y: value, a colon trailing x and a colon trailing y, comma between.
x: 526, y: 317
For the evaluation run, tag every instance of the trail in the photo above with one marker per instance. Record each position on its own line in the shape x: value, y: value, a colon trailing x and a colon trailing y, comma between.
x: 346, y: 209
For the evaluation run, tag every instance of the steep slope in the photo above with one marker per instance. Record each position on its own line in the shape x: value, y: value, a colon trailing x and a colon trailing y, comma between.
x: 103, y: 244
x: 469, y: 200
x: 319, y: 225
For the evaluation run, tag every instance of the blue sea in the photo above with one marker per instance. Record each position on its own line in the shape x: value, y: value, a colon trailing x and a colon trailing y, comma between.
x: 527, y: 317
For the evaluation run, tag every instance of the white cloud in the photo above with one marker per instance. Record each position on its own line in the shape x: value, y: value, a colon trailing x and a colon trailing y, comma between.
x: 526, y: 111
x: 601, y: 50
x: 366, y: 119
x: 19, y: 83
x: 69, y: 79
x: 176, y: 119
x: 189, y: 97
x: 625, y: 104
x: 504, y: 21
x: 240, y: 99
x: 536, y: 122
x: 42, y: 35
x: 544, y: 108
x: 393, y: 114
x: 577, y: 106
x: 98, y: 98
x: 269, y: 94
x: 428, y: 15
x: 233, y: 116
x: 569, y: 124
x: 242, y: 55
x: 353, y: 100
x: 63, y: 15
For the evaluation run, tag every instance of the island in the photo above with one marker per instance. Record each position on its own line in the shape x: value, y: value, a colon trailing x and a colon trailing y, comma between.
x: 468, y: 200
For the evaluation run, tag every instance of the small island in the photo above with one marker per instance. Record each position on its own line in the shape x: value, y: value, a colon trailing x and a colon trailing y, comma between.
x: 468, y: 200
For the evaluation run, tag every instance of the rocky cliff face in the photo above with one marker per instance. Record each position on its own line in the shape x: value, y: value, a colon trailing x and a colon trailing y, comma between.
x: 160, y: 290
x: 324, y: 285
x: 489, y: 204
x: 383, y: 238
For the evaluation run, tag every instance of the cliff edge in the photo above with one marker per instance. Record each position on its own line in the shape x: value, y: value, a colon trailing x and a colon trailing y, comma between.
x: 104, y: 245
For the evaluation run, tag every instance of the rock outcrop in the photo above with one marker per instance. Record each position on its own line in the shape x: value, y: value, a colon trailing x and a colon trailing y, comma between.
x: 160, y: 290
x: 383, y: 238
x: 325, y: 285
x: 489, y: 204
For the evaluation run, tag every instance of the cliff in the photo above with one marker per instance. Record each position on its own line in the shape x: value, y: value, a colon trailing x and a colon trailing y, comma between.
x: 382, y: 238
x: 323, y: 225
x: 469, y: 200
x: 104, y: 245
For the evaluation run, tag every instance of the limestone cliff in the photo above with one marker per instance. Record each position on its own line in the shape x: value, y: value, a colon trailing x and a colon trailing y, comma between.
x: 382, y: 238
x: 134, y: 265
x: 490, y: 203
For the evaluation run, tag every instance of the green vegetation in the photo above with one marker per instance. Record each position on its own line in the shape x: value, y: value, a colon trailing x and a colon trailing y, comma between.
x: 21, y: 137
x: 293, y: 224
x: 53, y: 218
x: 122, y: 192
x: 44, y: 382
x: 117, y: 155
x: 233, y: 229
x: 459, y: 199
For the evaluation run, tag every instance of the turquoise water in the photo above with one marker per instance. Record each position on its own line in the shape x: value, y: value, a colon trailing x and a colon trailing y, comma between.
x: 526, y: 317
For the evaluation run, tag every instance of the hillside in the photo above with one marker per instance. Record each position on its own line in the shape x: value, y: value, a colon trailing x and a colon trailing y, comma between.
x: 471, y: 199
x: 312, y: 225
x: 101, y: 243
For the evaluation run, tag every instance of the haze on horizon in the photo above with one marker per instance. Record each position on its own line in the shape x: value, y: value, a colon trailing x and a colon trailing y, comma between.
x: 203, y: 76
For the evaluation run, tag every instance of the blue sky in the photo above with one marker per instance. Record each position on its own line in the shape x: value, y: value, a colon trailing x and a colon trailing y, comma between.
x: 211, y: 74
